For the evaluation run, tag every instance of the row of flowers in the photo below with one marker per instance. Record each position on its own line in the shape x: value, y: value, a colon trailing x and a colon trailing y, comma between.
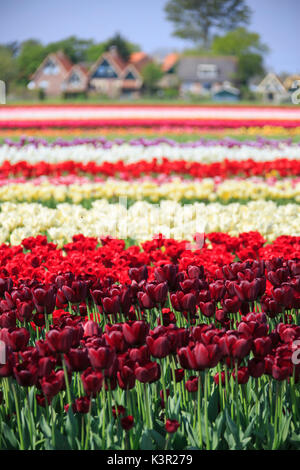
x: 142, y: 220
x: 141, y: 141
x: 76, y: 189
x: 198, y: 116
x: 175, y: 132
x: 135, y: 151
x: 277, y: 168
x: 110, y: 258
x: 167, y: 351
x: 197, y: 123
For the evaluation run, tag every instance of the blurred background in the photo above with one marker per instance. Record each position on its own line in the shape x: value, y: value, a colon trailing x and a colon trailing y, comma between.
x: 238, y: 51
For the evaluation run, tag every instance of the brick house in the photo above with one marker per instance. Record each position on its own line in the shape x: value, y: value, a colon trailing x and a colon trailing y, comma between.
x: 112, y: 76
x: 76, y: 81
x: 51, y: 74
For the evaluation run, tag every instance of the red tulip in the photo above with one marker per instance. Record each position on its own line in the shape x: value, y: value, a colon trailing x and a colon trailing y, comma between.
x: 159, y: 347
x: 149, y: 372
x: 101, y: 358
x: 171, y: 425
x: 92, y: 381
x: 127, y: 422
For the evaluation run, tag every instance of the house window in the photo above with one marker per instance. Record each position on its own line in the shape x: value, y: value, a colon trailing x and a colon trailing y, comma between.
x: 104, y: 70
x: 207, y: 71
x: 51, y: 68
x: 130, y: 76
x: 44, y: 84
x: 74, y: 79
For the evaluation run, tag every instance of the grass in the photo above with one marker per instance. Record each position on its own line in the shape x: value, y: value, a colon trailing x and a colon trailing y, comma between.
x: 141, y: 101
x: 128, y: 137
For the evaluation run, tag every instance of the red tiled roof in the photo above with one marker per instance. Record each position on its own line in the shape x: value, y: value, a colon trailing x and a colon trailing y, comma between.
x: 63, y: 59
x: 169, y: 61
x: 137, y: 57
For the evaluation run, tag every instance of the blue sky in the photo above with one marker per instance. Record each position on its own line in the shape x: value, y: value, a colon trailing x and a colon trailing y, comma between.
x: 144, y: 22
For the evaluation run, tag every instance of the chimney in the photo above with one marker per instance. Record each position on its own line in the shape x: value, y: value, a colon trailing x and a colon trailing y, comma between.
x: 113, y: 50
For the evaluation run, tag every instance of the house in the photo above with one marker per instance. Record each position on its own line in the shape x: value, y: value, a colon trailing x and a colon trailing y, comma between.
x: 76, y: 81
x: 198, y: 74
x: 112, y: 76
x: 169, y: 67
x: 225, y: 92
x: 51, y: 74
x: 272, y: 89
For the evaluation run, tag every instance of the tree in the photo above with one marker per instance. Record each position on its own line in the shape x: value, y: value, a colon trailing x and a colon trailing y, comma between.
x: 31, y: 54
x: 247, y: 47
x: 74, y: 48
x: 8, y: 70
x: 124, y: 47
x: 195, y: 19
x: 151, y: 74
x: 94, y: 52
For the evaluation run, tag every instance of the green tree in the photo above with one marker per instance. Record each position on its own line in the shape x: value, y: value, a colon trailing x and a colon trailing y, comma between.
x: 30, y: 56
x: 195, y: 19
x: 8, y: 69
x: 94, y: 52
x: 74, y: 47
x: 247, y: 47
x: 151, y: 74
x: 124, y: 47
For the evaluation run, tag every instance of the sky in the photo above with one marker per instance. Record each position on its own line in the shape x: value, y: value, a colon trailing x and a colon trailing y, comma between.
x: 144, y: 22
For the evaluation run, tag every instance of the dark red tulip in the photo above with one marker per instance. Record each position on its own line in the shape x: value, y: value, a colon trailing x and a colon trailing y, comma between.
x: 149, y: 372
x: 207, y: 308
x: 26, y: 373
x: 242, y: 375
x: 256, y: 367
x: 77, y: 359
x: 51, y: 385
x: 60, y: 340
x: 159, y: 347
x: 171, y: 425
x: 16, y: 339
x: 81, y: 405
x: 120, y: 410
x: 111, y: 305
x: 91, y: 328
x: 192, y: 384
x: 92, y: 381
x: 179, y: 375
x: 127, y: 422
x: 262, y: 346
x: 140, y: 355
x: 241, y: 348
x: 280, y: 373
x: 135, y: 333
x: 101, y: 358
x: 126, y: 378
x: 138, y: 274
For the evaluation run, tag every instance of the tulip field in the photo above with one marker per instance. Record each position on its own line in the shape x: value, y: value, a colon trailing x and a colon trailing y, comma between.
x: 149, y: 278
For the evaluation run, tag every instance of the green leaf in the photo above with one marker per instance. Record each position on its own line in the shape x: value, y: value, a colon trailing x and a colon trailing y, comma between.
x: 45, y: 427
x: 158, y: 439
x: 146, y: 442
x: 212, y: 409
x: 10, y: 436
